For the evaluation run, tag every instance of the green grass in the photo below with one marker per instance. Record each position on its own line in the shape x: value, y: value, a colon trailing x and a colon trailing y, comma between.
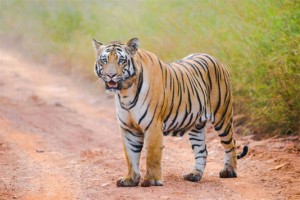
x: 259, y: 40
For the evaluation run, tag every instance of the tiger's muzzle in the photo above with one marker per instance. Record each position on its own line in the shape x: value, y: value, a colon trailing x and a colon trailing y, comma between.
x: 113, y: 82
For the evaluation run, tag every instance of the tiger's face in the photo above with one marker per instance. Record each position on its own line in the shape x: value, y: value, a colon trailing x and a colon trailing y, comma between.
x: 115, y: 63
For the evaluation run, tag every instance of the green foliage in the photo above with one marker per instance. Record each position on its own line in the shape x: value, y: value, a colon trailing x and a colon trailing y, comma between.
x: 258, y: 39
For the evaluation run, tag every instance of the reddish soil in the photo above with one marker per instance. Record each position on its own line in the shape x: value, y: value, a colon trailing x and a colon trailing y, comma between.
x: 59, y: 139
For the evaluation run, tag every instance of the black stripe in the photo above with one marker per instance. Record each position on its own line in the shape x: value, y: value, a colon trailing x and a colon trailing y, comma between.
x: 177, y: 111
x: 196, y: 145
x: 190, y: 77
x: 152, y: 118
x: 136, y: 151
x: 149, y: 57
x: 200, y: 125
x: 202, y: 151
x: 199, y: 63
x: 146, y: 96
x: 220, y: 124
x: 218, y: 80
x: 230, y: 150
x: 139, y: 54
x: 129, y: 131
x: 183, y: 82
x: 122, y: 121
x: 201, y: 164
x: 184, y: 118
x: 134, y: 67
x: 144, y: 115
x: 191, y: 133
x: 226, y: 131
x: 138, y: 147
x: 203, y: 81
x: 166, y: 77
x: 190, y: 121
x: 139, y: 87
x: 189, y: 100
x: 172, y: 105
x: 208, y: 73
x: 173, y: 67
x: 195, y: 68
x: 196, y: 139
x: 203, y: 93
x: 200, y: 157
x: 141, y: 143
x: 227, y: 142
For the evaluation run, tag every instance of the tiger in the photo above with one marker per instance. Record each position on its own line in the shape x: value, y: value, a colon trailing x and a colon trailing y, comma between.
x: 154, y: 99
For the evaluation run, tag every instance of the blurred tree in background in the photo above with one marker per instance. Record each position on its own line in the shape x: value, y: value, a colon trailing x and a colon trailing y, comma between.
x: 259, y: 40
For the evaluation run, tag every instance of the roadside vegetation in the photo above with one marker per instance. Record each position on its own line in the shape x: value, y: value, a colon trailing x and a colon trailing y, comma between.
x: 259, y: 40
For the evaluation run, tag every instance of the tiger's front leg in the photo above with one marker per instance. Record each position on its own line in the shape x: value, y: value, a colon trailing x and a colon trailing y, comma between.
x: 154, y: 147
x: 133, y: 144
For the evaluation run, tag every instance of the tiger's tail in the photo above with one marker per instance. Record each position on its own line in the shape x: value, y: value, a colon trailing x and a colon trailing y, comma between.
x: 244, y: 152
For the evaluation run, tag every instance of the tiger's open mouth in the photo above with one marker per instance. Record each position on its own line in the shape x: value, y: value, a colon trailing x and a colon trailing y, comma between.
x: 112, y: 85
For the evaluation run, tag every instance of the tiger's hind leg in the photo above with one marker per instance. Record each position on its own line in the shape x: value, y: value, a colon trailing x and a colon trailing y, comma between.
x: 230, y: 159
x: 197, y: 139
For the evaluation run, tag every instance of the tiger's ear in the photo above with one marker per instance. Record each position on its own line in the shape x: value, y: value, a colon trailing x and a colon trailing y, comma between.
x: 133, y: 45
x: 97, y: 44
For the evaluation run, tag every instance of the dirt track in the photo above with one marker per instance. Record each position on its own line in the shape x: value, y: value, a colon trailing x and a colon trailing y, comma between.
x: 59, y: 140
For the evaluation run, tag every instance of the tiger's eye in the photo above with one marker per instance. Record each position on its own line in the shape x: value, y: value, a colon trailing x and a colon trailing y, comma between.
x: 104, y: 60
x: 121, y: 61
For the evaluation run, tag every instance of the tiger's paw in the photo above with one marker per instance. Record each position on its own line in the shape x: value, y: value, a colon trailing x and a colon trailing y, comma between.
x: 193, y: 177
x: 127, y: 182
x: 148, y: 183
x: 227, y: 173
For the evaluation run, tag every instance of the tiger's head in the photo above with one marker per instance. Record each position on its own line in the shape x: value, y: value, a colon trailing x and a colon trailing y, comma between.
x: 115, y: 63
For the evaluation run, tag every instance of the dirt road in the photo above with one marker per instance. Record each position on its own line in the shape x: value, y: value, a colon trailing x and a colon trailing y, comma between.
x: 59, y: 139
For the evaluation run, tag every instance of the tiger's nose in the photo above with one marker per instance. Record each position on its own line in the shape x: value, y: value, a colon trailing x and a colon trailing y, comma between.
x: 111, y: 75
